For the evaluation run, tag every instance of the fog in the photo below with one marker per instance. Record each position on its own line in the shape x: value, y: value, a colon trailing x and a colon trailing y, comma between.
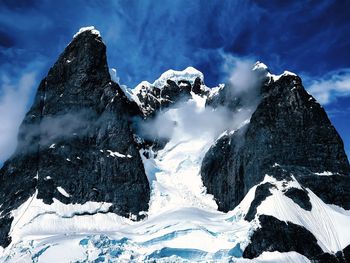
x: 188, y: 120
x: 53, y: 129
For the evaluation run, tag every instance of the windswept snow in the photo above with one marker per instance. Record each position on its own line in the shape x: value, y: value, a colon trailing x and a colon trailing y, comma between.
x: 327, y: 223
x: 34, y: 217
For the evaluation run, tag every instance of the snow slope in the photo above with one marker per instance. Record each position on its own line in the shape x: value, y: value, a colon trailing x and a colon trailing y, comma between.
x: 330, y: 224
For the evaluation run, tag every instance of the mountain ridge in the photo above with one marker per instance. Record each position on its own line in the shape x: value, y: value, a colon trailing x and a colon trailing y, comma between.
x: 124, y: 197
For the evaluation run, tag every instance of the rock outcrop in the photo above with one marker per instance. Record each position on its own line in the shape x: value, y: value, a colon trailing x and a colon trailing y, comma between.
x: 289, y: 137
x: 76, y: 136
x: 288, y: 127
x: 276, y: 235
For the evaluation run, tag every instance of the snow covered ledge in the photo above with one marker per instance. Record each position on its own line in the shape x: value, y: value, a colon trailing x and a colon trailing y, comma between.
x: 259, y: 66
x: 190, y: 74
x: 88, y: 28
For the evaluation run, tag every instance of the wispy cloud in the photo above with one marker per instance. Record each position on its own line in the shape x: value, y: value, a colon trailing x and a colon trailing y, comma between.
x: 186, y: 120
x: 330, y: 87
x: 14, y: 100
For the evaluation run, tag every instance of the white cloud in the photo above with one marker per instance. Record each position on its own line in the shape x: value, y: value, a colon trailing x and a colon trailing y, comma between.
x: 333, y: 85
x: 14, y: 99
x: 187, y: 120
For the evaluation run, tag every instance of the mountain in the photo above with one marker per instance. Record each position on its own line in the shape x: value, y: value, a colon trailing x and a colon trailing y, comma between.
x: 75, y: 144
x: 173, y: 171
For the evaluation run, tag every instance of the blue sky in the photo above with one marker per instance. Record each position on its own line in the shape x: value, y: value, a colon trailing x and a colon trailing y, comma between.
x: 145, y: 38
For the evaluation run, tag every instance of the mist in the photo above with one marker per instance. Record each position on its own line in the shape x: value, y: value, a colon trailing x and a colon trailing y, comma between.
x: 54, y: 129
x: 189, y: 120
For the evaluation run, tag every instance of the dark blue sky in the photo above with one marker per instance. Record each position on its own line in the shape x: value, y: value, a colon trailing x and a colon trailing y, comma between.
x: 145, y: 38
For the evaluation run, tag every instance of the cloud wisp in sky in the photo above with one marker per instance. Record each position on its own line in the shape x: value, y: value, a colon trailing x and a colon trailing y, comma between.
x: 330, y: 87
x: 14, y: 100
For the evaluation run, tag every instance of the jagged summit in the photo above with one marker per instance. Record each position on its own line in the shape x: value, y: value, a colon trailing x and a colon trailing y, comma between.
x: 171, y: 87
x: 190, y: 74
x: 88, y: 29
x: 260, y: 66
x: 75, y: 144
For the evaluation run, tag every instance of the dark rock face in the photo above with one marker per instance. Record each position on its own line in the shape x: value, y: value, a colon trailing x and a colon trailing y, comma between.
x: 215, y: 169
x: 332, y: 189
x: 79, y: 115
x: 339, y: 257
x: 276, y: 235
x: 300, y: 197
x: 346, y: 253
x: 289, y: 128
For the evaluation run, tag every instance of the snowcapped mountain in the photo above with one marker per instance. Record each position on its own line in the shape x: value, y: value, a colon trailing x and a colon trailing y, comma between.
x: 173, y: 171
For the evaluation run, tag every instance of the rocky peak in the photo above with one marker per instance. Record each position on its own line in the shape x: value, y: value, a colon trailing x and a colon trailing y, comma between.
x: 288, y: 127
x: 76, y: 137
x: 171, y: 87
